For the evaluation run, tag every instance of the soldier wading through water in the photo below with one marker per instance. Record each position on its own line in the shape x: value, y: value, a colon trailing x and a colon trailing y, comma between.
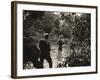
x: 45, y: 49
x: 60, y: 43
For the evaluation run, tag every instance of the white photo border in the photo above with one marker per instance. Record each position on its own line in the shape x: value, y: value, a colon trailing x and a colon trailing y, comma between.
x: 20, y: 6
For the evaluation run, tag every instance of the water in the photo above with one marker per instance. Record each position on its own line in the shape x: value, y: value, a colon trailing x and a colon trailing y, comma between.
x: 54, y: 54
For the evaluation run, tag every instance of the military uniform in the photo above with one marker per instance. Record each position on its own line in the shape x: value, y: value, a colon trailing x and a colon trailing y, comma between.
x: 44, y: 46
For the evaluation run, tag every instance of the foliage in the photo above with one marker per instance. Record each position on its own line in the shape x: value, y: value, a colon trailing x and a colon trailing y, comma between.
x: 40, y: 21
x: 75, y: 26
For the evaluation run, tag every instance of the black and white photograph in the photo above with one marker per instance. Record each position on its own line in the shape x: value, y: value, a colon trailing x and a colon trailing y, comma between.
x: 53, y: 39
x: 56, y: 39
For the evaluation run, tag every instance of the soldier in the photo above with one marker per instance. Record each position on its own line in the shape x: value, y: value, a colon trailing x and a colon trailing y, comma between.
x: 45, y: 48
x: 60, y: 43
x: 72, y: 48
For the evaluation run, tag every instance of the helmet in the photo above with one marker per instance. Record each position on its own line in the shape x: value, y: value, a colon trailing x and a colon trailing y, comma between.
x: 46, y: 35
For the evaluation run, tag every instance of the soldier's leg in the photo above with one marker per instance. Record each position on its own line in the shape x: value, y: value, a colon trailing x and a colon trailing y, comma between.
x: 48, y: 58
x: 41, y: 61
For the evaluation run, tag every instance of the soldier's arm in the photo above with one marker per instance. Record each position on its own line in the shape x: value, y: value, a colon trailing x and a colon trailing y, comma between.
x: 49, y: 48
x: 40, y: 44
